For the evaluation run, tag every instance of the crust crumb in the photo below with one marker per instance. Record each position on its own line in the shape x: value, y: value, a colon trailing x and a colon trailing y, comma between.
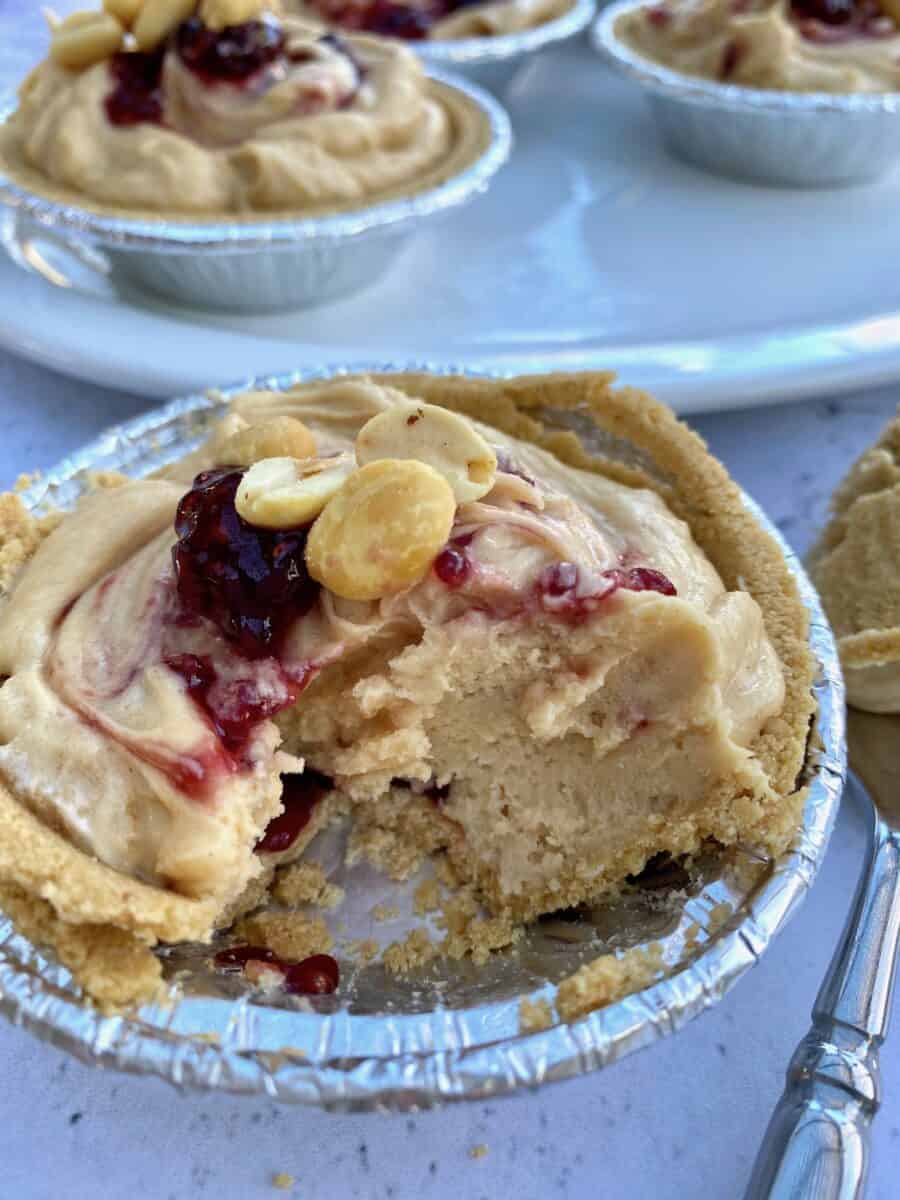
x: 306, y: 883
x: 479, y: 1151
x: 719, y: 915
x: 363, y: 950
x: 397, y: 835
x: 606, y: 979
x: 101, y: 481
x: 283, y: 1181
x: 292, y: 936
x: 20, y: 536
x: 480, y: 938
x: 427, y: 897
x: 385, y: 912
x: 447, y: 874
x: 534, y: 1016
x: 112, y: 966
x: 414, y: 951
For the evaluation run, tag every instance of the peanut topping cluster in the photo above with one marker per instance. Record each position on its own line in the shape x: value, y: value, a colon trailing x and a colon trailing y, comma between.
x: 89, y: 37
x: 380, y: 515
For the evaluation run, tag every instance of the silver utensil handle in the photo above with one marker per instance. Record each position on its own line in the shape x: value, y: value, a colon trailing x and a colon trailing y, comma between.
x: 817, y: 1144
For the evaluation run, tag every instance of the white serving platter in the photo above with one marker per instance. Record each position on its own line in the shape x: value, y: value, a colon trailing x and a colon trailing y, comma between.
x: 593, y: 248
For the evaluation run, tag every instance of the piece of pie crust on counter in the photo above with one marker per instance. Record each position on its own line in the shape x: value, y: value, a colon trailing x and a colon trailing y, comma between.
x: 406, y: 598
x: 854, y: 567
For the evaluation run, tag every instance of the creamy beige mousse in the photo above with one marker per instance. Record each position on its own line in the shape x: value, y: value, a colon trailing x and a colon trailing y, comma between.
x: 854, y: 566
x: 784, y: 45
x: 167, y: 110
x: 359, y: 592
x: 437, y: 20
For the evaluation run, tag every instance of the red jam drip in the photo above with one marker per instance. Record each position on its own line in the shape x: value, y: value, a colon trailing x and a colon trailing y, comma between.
x: 391, y: 18
x: 233, y: 711
x: 231, y: 55
x: 318, y: 975
x: 239, y: 956
x: 300, y: 794
x: 252, y: 583
x: 136, y: 97
x: 731, y: 56
x: 453, y: 565
x: 557, y: 588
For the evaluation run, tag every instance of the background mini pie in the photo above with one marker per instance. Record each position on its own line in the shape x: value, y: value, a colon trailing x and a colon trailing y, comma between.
x: 784, y: 45
x: 179, y: 117
x: 480, y: 637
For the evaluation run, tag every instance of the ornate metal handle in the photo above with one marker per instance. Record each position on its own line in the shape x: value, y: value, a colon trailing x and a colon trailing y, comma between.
x: 817, y: 1144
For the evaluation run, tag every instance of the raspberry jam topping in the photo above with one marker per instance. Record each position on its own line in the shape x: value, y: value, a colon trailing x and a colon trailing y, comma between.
x: 318, y: 975
x: 136, y: 97
x: 230, y: 55
x: 300, y: 794
x: 390, y: 18
x: 252, y: 583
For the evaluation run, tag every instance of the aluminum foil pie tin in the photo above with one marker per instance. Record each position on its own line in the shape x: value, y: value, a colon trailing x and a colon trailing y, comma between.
x: 491, y: 62
x: 451, y: 1032
x: 247, y: 266
x: 794, y: 139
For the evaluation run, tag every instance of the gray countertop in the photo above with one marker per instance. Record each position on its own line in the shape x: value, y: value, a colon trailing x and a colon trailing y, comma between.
x: 681, y: 1120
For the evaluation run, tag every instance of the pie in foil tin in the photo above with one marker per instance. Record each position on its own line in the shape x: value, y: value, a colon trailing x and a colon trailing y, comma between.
x: 453, y: 1030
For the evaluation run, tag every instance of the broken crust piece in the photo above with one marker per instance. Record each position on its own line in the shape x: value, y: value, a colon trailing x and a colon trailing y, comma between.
x: 554, y: 731
x: 607, y: 979
x: 853, y: 565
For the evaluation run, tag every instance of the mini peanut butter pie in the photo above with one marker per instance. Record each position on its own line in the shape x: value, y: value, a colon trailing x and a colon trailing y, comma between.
x: 785, y: 45
x: 408, y: 599
x: 437, y: 20
x: 169, y: 107
x: 854, y: 566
